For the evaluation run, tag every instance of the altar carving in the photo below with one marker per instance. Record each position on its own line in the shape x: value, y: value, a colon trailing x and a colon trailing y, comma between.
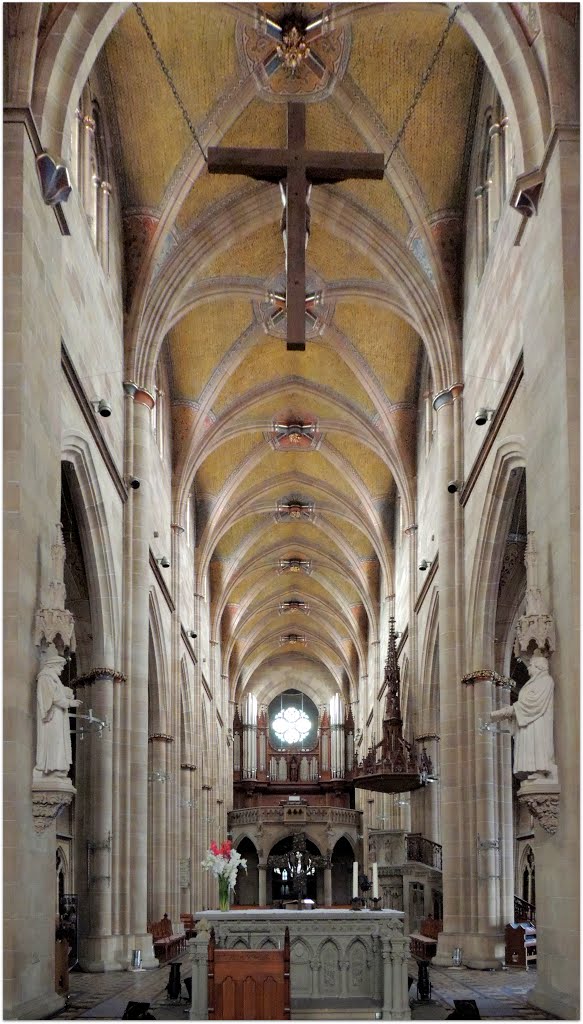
x: 340, y: 959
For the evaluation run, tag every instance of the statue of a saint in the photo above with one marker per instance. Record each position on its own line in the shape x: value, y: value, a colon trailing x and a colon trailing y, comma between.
x: 532, y: 723
x: 53, y: 700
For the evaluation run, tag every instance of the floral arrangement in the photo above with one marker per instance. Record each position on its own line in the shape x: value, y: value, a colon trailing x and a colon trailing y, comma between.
x: 224, y: 862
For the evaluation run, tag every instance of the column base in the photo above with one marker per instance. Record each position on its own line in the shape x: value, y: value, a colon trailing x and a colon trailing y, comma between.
x: 479, y: 951
x: 561, y: 1004
x: 36, y: 1009
x: 99, y: 954
x: 149, y: 961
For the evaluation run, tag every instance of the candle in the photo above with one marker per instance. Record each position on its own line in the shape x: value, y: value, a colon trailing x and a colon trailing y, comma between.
x: 354, y: 879
x: 375, y: 882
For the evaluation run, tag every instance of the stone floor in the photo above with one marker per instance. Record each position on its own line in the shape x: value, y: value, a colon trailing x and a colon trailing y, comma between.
x: 499, y: 995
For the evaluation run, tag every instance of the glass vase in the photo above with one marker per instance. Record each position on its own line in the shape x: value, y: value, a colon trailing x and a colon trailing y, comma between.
x: 223, y: 893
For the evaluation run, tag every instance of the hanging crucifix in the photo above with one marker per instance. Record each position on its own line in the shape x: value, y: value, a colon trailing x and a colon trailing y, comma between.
x: 299, y: 168
x: 299, y: 863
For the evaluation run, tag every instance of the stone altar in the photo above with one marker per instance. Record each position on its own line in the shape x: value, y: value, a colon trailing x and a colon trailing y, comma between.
x: 341, y: 960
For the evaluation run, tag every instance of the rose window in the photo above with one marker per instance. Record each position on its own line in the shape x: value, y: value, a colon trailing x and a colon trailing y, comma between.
x: 291, y: 725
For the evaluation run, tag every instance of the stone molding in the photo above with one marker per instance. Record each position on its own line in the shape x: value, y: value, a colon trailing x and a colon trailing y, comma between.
x: 493, y: 429
x: 546, y: 811
x: 86, y: 408
x: 188, y: 767
x: 98, y: 675
x: 481, y: 675
x: 49, y: 796
x: 161, y: 736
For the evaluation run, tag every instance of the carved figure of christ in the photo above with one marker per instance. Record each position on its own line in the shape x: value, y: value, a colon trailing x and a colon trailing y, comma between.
x: 299, y: 168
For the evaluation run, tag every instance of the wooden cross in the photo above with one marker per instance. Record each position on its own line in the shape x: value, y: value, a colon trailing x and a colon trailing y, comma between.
x: 300, y: 168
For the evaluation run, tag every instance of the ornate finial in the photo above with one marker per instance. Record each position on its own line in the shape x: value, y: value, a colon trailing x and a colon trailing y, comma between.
x: 54, y: 620
x: 392, y: 678
x: 536, y: 626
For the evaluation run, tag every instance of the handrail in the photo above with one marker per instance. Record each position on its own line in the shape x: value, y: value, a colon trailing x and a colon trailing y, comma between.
x: 424, y: 851
x: 524, y: 911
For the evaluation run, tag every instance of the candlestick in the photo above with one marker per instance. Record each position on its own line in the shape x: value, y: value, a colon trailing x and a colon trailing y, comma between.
x: 375, y: 881
x: 355, y: 879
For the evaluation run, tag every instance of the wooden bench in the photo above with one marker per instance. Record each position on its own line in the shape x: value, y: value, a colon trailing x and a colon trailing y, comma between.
x: 424, y: 942
x: 187, y: 922
x: 520, y: 945
x: 248, y: 984
x: 167, y: 944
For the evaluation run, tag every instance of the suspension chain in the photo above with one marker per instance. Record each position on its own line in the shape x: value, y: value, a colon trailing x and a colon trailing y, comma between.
x: 424, y: 80
x: 169, y: 79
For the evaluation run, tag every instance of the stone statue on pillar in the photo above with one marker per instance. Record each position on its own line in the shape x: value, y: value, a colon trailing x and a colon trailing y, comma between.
x: 531, y: 718
x: 54, y: 632
x: 53, y: 700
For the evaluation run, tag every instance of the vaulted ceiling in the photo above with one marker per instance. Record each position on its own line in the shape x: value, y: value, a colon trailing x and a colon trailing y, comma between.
x: 204, y: 251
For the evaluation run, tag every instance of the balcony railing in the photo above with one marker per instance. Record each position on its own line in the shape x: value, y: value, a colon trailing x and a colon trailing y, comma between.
x: 275, y: 815
x: 424, y: 851
x: 524, y: 911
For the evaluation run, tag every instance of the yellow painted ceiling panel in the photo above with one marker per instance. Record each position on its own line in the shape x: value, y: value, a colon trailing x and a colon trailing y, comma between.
x: 323, y: 409
x: 154, y: 136
x: 238, y: 592
x: 372, y: 470
x: 411, y: 34
x: 230, y: 542
x: 387, y: 342
x: 199, y: 341
x: 337, y: 259
x: 218, y: 467
x: 327, y: 127
x: 310, y: 464
x: 260, y: 125
x: 259, y: 254
x: 270, y: 360
x: 356, y: 540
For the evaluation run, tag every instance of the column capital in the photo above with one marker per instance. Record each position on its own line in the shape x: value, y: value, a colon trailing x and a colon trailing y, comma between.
x: 100, y: 675
x: 485, y: 675
x: 106, y: 187
x: 447, y: 396
x: 412, y: 528
x: 140, y: 395
x: 188, y: 767
x: 88, y: 122
x: 161, y: 736
x: 177, y: 528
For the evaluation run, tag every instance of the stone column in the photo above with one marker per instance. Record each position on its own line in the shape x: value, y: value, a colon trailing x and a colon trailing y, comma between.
x: 454, y: 794
x: 103, y: 224
x: 86, y: 176
x: 96, y: 952
x: 198, y: 948
x: 262, y: 869
x: 158, y: 786
x: 137, y: 724
x: 328, y: 886
x: 480, y: 194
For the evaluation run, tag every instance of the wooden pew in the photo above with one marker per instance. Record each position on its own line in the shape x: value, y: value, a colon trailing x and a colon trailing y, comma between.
x: 167, y: 944
x: 248, y: 984
x: 424, y: 942
x: 187, y: 922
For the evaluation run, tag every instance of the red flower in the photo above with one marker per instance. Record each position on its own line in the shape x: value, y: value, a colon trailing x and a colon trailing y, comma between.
x: 226, y: 849
x: 215, y: 849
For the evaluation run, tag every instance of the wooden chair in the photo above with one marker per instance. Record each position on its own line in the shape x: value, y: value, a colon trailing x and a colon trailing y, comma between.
x: 248, y: 984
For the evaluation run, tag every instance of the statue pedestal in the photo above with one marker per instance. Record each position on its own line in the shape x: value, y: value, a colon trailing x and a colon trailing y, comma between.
x: 542, y: 800
x: 50, y: 793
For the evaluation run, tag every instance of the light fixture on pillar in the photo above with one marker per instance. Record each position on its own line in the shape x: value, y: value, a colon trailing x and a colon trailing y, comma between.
x: 483, y: 415
x: 102, y: 406
x: 424, y: 565
x: 158, y: 776
x: 164, y: 562
x: 94, y: 724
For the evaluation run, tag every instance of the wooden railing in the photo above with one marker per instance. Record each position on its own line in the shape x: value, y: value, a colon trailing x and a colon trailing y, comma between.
x: 424, y: 851
x: 524, y: 911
